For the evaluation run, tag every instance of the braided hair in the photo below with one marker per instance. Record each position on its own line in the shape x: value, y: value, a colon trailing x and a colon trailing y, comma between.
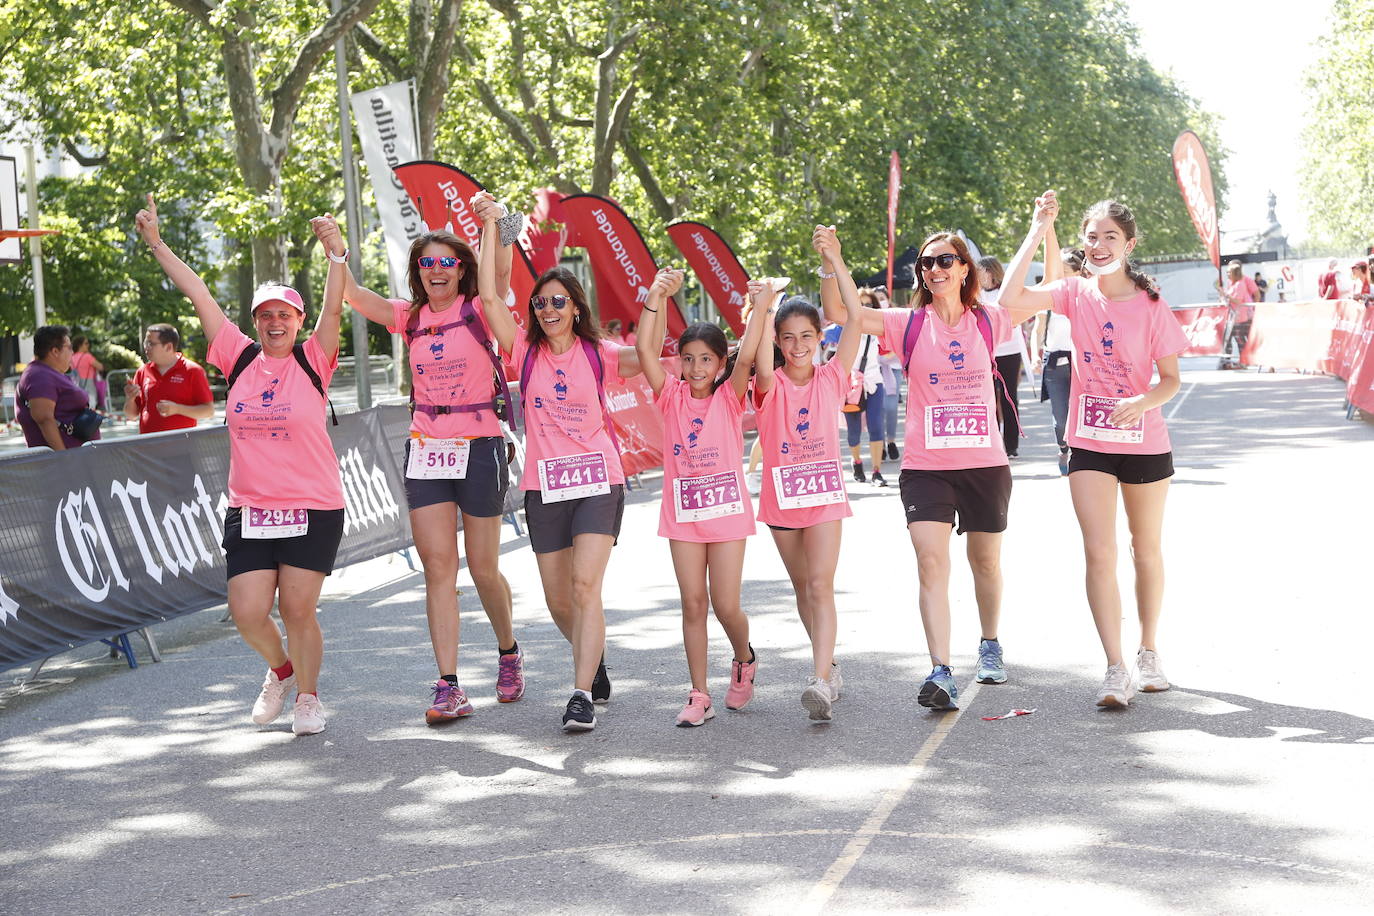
x: 1121, y: 214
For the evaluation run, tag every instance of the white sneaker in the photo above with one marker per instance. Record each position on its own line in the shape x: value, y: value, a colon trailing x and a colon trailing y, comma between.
x: 309, y: 715
x: 1150, y: 671
x: 816, y: 698
x: 272, y: 700
x: 836, y: 681
x: 753, y: 482
x: 1117, y: 687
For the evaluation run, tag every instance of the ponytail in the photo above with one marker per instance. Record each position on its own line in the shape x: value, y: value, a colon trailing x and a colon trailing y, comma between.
x: 1142, y: 281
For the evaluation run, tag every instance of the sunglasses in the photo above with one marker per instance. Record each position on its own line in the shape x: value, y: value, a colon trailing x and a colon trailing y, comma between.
x: 542, y: 302
x: 427, y: 262
x: 946, y: 261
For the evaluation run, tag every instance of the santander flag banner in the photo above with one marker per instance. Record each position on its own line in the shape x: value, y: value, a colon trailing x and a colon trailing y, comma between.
x: 894, y: 187
x: 1195, y: 183
x: 715, y: 264
x: 386, y: 132
x: 441, y: 193
x: 621, y: 262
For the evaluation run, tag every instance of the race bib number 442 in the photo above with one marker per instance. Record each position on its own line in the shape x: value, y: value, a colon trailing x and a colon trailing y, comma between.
x: 1093, y: 422
x: 573, y: 477
x: 814, y: 483
x: 957, y: 426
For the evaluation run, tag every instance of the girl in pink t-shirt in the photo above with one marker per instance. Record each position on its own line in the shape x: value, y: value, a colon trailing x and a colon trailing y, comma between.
x: 706, y: 511
x: 803, y: 499
x: 286, y: 515
x: 572, y: 478
x: 955, y: 464
x: 1123, y: 333
x: 455, y: 455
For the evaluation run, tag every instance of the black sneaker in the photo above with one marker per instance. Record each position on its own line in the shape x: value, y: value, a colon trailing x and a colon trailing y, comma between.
x: 892, y: 451
x: 601, y: 684
x: 580, y: 716
x: 878, y: 479
x: 859, y: 473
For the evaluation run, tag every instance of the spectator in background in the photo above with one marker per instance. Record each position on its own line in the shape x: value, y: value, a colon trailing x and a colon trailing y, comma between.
x: 1054, y: 344
x: 1008, y: 354
x: 1262, y: 285
x: 86, y: 367
x: 49, y: 401
x: 630, y: 335
x: 1359, y: 273
x: 169, y: 391
x: 1326, y: 283
x: 1238, y: 293
x: 613, y: 333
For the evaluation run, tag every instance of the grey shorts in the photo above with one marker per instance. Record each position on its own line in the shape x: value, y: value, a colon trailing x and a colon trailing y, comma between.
x: 481, y: 494
x: 554, y: 525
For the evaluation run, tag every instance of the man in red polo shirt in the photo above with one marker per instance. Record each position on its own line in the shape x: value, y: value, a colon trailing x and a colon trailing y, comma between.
x: 170, y: 391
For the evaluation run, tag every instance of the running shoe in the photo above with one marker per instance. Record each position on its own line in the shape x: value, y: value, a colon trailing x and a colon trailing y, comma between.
x: 939, y: 691
x: 859, y: 472
x: 510, y: 677
x: 1064, y: 463
x: 990, y: 667
x: 741, y: 689
x: 697, y: 710
x: 836, y: 681
x: 450, y: 702
x: 1149, y: 671
x: 1117, y: 688
x: 892, y: 450
x: 817, y: 699
x: 272, y: 699
x: 580, y: 716
x: 601, y: 684
x: 878, y: 479
x: 754, y: 482
x: 308, y: 718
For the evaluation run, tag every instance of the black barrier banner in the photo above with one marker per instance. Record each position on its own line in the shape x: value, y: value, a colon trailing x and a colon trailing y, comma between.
x: 117, y: 535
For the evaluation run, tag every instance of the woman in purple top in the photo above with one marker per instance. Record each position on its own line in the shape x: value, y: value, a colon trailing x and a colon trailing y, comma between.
x: 48, y: 398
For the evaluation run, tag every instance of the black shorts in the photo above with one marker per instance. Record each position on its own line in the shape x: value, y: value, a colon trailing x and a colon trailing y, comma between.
x: 554, y: 525
x: 481, y: 494
x: 978, y: 496
x: 1125, y: 468
x: 316, y: 549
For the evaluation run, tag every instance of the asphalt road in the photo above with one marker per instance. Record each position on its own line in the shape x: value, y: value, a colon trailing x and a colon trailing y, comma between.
x: 1243, y: 789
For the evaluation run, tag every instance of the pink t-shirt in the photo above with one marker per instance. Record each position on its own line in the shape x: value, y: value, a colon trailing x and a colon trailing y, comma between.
x: 1116, y: 345
x: 448, y: 368
x: 1243, y: 290
x: 84, y: 364
x: 951, y: 407
x: 563, y: 414
x: 703, y: 438
x: 799, y: 424
x: 280, y: 456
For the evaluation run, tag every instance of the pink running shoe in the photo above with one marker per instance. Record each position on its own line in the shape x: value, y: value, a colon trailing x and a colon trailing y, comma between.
x: 741, y: 689
x: 697, y: 710
x: 272, y: 698
x: 450, y: 702
x: 510, y: 677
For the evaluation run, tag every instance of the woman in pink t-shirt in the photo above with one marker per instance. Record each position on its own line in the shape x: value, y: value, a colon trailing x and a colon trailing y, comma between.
x: 803, y: 498
x: 954, y: 465
x: 706, y: 511
x: 286, y: 502
x: 455, y: 455
x: 573, y: 482
x: 1123, y: 333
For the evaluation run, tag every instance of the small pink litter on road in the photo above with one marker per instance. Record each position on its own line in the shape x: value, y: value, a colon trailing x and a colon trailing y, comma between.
x: 1009, y: 715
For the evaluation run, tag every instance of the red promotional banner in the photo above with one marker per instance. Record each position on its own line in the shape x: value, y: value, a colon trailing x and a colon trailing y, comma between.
x: 621, y: 262
x: 1346, y: 342
x: 638, y: 424
x: 1295, y: 335
x: 1195, y: 183
x: 441, y: 193
x: 1204, y: 326
x: 715, y: 264
x: 1360, y: 391
x: 894, y: 186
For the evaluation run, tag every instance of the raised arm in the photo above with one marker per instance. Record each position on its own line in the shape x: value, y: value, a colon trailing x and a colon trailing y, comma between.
x: 747, y: 351
x: 833, y: 305
x: 331, y: 312
x: 765, y: 299
x: 499, y: 318
x: 212, y: 317
x: 856, y: 324
x: 1021, y: 303
x: 653, y: 326
x: 372, y: 306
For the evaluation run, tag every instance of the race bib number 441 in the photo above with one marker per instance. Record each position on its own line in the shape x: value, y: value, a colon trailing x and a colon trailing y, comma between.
x: 711, y: 496
x: 1093, y: 422
x: 266, y: 524
x: 957, y: 426
x: 573, y: 477
x: 438, y: 459
x: 814, y: 483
